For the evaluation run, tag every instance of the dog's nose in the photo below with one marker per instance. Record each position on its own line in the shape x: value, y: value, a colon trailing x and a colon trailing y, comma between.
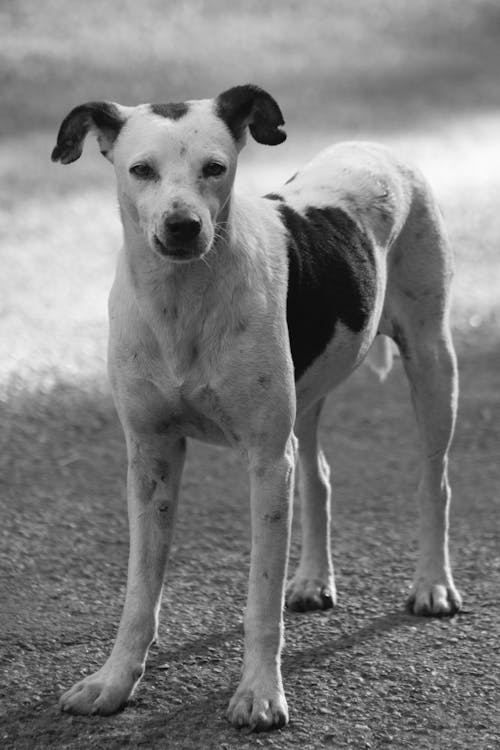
x: 181, y: 227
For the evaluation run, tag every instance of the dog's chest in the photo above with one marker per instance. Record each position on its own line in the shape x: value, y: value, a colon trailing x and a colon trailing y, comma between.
x: 190, y: 367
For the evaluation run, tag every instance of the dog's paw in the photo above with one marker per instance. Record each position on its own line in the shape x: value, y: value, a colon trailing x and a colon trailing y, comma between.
x: 258, y: 708
x: 433, y: 599
x: 305, y: 594
x: 104, y: 692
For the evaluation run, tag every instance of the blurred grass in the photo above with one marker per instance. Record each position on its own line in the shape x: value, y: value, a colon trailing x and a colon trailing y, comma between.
x: 422, y: 77
x: 383, y: 64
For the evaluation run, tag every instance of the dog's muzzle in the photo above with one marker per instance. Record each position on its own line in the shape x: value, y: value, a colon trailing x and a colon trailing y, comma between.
x: 179, y: 238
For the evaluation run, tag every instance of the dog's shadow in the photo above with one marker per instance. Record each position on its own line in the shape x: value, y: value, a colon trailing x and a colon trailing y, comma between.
x: 324, y: 650
x: 293, y: 660
x: 204, y: 714
x: 317, y: 656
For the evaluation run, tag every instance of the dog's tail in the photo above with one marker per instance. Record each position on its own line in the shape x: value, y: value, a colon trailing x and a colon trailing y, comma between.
x: 380, y: 356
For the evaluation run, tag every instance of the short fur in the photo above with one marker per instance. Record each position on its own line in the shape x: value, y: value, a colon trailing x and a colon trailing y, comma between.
x: 331, y: 277
x: 236, y: 336
x: 173, y: 110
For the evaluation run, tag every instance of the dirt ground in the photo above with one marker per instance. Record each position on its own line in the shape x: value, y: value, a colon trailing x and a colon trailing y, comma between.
x: 365, y: 675
x: 423, y: 78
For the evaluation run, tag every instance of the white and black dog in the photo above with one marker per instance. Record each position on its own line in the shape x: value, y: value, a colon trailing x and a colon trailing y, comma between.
x: 231, y: 318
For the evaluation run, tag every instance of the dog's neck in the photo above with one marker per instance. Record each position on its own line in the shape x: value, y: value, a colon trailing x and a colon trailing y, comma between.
x: 191, y: 307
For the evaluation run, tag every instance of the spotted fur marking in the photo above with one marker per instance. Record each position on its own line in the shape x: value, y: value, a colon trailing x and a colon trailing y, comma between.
x: 172, y: 110
x: 332, y: 277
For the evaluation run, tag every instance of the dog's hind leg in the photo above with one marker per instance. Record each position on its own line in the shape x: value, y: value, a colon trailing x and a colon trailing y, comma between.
x: 418, y: 307
x: 313, y: 585
x: 154, y: 473
x: 431, y: 368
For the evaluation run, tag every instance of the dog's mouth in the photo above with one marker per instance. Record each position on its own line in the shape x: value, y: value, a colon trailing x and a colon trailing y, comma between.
x: 177, y: 253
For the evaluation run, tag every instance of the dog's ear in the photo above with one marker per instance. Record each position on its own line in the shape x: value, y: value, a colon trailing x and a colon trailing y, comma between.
x: 104, y: 118
x: 251, y: 106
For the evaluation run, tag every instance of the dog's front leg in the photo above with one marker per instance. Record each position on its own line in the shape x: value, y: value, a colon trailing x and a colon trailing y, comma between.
x: 154, y: 473
x: 259, y: 701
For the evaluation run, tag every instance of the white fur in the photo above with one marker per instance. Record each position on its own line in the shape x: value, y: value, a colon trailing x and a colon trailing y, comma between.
x: 201, y: 349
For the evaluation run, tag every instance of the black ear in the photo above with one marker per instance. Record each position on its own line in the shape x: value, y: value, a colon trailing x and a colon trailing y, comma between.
x: 252, y: 106
x: 105, y: 118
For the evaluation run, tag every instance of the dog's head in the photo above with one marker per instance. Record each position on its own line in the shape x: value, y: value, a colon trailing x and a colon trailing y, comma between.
x: 175, y: 163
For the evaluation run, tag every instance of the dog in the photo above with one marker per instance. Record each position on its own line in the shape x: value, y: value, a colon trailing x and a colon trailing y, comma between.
x: 231, y: 319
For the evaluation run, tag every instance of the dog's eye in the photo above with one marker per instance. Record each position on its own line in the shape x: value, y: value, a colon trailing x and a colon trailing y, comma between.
x: 213, y: 169
x: 143, y: 171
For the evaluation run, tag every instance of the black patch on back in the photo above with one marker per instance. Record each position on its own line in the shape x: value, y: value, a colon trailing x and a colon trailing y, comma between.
x: 291, y: 179
x: 172, y: 110
x: 332, y: 277
x: 274, y: 197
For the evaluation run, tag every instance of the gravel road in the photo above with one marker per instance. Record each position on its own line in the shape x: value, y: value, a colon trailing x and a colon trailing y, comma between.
x: 365, y: 675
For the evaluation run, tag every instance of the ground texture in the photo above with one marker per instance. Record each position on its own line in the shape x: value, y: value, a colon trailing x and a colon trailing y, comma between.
x: 363, y: 675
